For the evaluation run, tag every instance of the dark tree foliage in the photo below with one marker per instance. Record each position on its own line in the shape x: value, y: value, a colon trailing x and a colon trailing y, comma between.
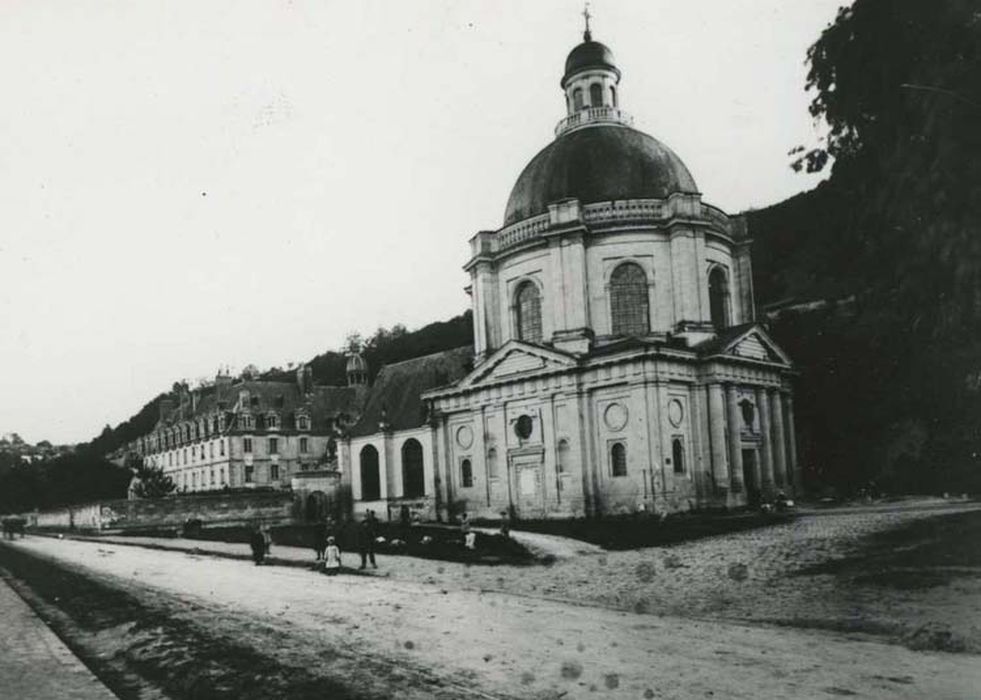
x: 152, y: 482
x: 388, y: 346
x: 889, y: 386
x: 76, y: 478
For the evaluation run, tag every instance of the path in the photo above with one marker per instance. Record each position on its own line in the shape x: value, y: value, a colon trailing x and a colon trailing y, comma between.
x: 34, y: 663
x: 522, y: 646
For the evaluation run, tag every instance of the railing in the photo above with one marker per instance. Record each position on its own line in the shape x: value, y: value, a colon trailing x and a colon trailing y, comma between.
x: 624, y: 209
x: 521, y: 232
x: 591, y: 115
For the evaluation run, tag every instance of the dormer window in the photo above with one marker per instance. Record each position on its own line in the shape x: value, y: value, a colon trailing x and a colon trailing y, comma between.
x: 303, y: 423
x: 272, y: 421
x: 245, y: 420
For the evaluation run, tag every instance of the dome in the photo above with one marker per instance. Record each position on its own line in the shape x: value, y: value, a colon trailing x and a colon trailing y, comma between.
x: 598, y: 163
x: 589, y: 54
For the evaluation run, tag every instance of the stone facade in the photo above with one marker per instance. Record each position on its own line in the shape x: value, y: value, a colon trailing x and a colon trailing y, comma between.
x: 618, y: 367
x: 250, y: 433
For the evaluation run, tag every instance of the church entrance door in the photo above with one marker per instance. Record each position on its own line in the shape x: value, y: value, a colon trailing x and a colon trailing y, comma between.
x: 528, y: 487
x: 750, y: 478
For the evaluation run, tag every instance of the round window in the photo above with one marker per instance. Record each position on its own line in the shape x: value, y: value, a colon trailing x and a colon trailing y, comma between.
x: 523, y: 427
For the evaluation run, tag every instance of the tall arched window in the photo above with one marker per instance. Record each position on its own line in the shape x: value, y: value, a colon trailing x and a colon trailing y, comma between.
x: 629, y: 305
x: 370, y: 479
x: 466, y: 474
x: 596, y: 95
x: 719, y: 297
x: 413, y: 474
x: 577, y: 99
x: 528, y: 311
x: 492, y: 472
x: 562, y: 458
x: 678, y: 456
x: 618, y: 459
x: 613, y: 96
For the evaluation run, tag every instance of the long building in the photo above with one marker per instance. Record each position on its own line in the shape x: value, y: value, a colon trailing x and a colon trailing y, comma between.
x: 251, y: 433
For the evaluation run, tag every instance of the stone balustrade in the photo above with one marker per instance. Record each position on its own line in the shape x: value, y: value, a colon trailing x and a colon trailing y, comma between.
x: 592, y: 115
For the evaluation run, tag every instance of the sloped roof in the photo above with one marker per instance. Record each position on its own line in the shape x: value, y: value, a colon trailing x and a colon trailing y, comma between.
x: 722, y: 339
x: 396, y: 396
x: 284, y: 398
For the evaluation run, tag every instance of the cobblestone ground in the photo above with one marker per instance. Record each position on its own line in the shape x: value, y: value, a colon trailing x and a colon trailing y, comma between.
x: 754, y: 575
x: 34, y: 663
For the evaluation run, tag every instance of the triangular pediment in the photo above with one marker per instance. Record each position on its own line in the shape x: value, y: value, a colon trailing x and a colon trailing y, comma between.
x: 517, y: 359
x: 751, y: 344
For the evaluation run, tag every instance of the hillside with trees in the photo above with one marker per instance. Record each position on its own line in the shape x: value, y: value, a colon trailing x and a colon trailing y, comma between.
x: 891, y: 364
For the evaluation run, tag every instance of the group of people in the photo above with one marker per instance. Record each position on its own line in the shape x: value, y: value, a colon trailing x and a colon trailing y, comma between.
x: 328, y: 552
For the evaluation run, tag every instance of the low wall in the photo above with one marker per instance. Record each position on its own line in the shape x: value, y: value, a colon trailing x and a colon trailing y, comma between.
x: 270, y: 507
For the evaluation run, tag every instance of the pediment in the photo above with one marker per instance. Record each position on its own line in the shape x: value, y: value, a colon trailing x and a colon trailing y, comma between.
x: 753, y: 344
x: 517, y: 359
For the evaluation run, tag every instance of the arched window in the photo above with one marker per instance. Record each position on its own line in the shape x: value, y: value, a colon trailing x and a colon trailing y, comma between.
x: 528, y: 312
x: 562, y: 457
x: 577, y: 99
x: 678, y: 456
x: 413, y: 474
x: 370, y: 481
x: 613, y: 96
x: 629, y: 304
x: 618, y: 459
x: 492, y: 472
x: 596, y: 95
x: 466, y: 474
x: 719, y: 297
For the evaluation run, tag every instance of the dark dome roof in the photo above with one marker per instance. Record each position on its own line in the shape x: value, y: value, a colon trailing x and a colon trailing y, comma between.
x: 589, y: 54
x: 598, y: 164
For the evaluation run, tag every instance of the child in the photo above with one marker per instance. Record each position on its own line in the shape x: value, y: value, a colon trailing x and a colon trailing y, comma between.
x: 332, y: 558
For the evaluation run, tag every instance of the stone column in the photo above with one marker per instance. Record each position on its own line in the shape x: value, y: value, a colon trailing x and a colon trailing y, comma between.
x: 717, y: 434
x: 763, y: 408
x: 793, y: 468
x: 735, y: 446
x: 779, y: 441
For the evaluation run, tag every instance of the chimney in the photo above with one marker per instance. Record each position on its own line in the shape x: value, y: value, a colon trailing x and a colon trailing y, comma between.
x: 166, y: 407
x: 304, y: 379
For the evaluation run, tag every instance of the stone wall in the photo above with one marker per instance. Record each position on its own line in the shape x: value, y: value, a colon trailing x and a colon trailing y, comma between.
x: 270, y: 507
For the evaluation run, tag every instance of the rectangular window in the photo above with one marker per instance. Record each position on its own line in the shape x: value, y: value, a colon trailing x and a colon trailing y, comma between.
x: 273, y: 446
x: 211, y: 450
x: 247, y: 444
x: 303, y: 445
x: 221, y: 447
x: 274, y: 472
x: 211, y: 477
x: 249, y: 470
x: 466, y: 474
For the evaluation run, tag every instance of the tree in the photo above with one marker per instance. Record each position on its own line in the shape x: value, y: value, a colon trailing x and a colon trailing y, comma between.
x: 885, y: 388
x: 151, y: 482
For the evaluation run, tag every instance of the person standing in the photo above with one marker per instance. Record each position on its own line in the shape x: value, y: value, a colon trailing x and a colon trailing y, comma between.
x: 332, y: 558
x: 319, y: 539
x: 366, y: 539
x: 258, y: 544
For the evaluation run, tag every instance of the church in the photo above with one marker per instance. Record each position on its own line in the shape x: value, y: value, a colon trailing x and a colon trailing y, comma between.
x: 617, y: 364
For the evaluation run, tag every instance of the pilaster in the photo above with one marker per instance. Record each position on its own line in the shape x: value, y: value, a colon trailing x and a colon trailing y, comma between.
x: 717, y: 432
x: 779, y: 440
x: 766, y: 456
x: 735, y: 439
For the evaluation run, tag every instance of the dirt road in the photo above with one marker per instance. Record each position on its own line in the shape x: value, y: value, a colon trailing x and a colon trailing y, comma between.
x: 497, y: 644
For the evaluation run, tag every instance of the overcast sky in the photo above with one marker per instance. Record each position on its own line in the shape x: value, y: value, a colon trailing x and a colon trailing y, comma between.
x: 186, y: 185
